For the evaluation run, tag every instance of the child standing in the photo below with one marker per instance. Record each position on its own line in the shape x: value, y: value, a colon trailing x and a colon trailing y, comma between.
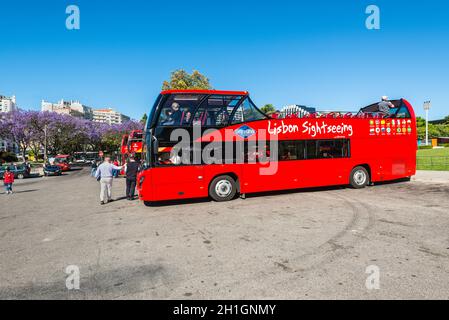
x: 8, y: 180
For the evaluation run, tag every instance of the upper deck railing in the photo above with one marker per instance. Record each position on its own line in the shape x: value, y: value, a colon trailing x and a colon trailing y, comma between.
x: 398, y: 110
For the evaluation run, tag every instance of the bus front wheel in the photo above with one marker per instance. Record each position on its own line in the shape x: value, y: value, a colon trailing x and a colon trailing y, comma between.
x: 223, y: 188
x: 359, y: 177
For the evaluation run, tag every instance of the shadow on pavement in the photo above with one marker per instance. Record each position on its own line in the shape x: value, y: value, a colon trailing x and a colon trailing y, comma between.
x: 392, y: 182
x: 34, y: 176
x: 22, y: 191
x: 120, y: 198
x: 177, y: 202
x: 267, y: 193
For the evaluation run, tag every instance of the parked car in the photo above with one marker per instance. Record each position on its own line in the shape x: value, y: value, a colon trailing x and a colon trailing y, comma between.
x: 20, y: 171
x: 63, y: 161
x: 52, y: 170
x: 63, y: 165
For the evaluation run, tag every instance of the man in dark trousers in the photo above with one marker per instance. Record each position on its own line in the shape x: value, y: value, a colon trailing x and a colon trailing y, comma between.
x: 131, y: 169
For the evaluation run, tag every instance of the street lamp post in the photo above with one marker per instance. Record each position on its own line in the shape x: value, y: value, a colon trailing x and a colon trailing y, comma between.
x: 426, y: 108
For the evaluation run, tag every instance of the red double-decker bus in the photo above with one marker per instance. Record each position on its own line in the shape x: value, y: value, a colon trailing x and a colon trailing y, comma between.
x: 135, y: 143
x: 267, y: 154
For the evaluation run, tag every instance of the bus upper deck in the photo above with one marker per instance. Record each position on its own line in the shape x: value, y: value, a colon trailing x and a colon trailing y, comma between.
x: 209, y: 109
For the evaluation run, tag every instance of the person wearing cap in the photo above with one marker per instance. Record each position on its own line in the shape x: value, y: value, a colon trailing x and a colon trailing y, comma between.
x: 385, y: 106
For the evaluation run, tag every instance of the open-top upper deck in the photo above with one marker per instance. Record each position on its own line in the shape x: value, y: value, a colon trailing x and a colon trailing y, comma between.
x: 220, y: 108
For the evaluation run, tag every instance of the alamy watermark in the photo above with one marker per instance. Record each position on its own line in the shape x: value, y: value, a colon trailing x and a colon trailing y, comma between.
x: 373, y: 280
x: 72, y: 22
x: 214, y: 147
x: 72, y: 282
x: 372, y: 22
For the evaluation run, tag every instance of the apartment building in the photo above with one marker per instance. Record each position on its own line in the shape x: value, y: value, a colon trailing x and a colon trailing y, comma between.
x: 72, y: 108
x: 109, y: 116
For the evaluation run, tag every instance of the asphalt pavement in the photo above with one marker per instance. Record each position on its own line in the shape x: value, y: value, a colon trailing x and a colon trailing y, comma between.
x: 389, y: 241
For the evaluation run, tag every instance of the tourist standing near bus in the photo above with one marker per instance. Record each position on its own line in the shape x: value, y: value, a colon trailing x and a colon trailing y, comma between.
x: 8, y: 180
x: 131, y: 170
x: 104, y: 174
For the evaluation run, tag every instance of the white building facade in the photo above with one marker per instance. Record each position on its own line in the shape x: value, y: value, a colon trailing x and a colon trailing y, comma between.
x: 109, y: 116
x: 72, y: 108
x: 8, y: 104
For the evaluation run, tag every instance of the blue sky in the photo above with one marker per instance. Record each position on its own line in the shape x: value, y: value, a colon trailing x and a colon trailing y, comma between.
x: 315, y: 53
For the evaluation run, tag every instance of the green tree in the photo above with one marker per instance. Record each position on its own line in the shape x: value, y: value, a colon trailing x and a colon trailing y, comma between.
x: 182, y: 80
x: 420, y: 122
x: 446, y: 119
x: 268, y: 108
x: 435, y: 130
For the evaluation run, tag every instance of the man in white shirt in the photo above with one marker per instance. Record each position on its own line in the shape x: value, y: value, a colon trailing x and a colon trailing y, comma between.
x: 105, y: 174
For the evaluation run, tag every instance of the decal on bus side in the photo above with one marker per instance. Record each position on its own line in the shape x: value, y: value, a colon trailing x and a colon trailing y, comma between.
x: 314, y: 129
x: 282, y: 128
x: 245, y: 132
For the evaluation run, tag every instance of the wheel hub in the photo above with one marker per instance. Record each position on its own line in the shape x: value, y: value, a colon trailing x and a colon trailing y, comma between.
x: 360, y: 177
x: 223, y: 188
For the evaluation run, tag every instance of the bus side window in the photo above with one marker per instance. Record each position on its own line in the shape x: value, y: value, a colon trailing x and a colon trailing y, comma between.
x: 311, y: 149
x: 403, y: 113
x: 328, y: 149
x: 216, y: 111
x: 247, y: 112
x: 291, y: 150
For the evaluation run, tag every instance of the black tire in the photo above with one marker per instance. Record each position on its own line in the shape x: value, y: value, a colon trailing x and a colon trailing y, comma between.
x: 359, y: 178
x: 20, y: 176
x: 223, y: 188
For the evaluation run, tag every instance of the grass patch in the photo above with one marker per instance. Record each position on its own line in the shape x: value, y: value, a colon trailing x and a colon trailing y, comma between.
x: 433, y: 159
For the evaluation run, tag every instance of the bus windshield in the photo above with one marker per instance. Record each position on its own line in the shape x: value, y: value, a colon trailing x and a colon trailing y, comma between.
x: 214, y: 110
x: 177, y: 109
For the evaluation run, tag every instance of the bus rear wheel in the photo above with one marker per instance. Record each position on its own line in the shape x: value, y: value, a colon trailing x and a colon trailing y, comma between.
x: 359, y: 177
x: 223, y: 188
